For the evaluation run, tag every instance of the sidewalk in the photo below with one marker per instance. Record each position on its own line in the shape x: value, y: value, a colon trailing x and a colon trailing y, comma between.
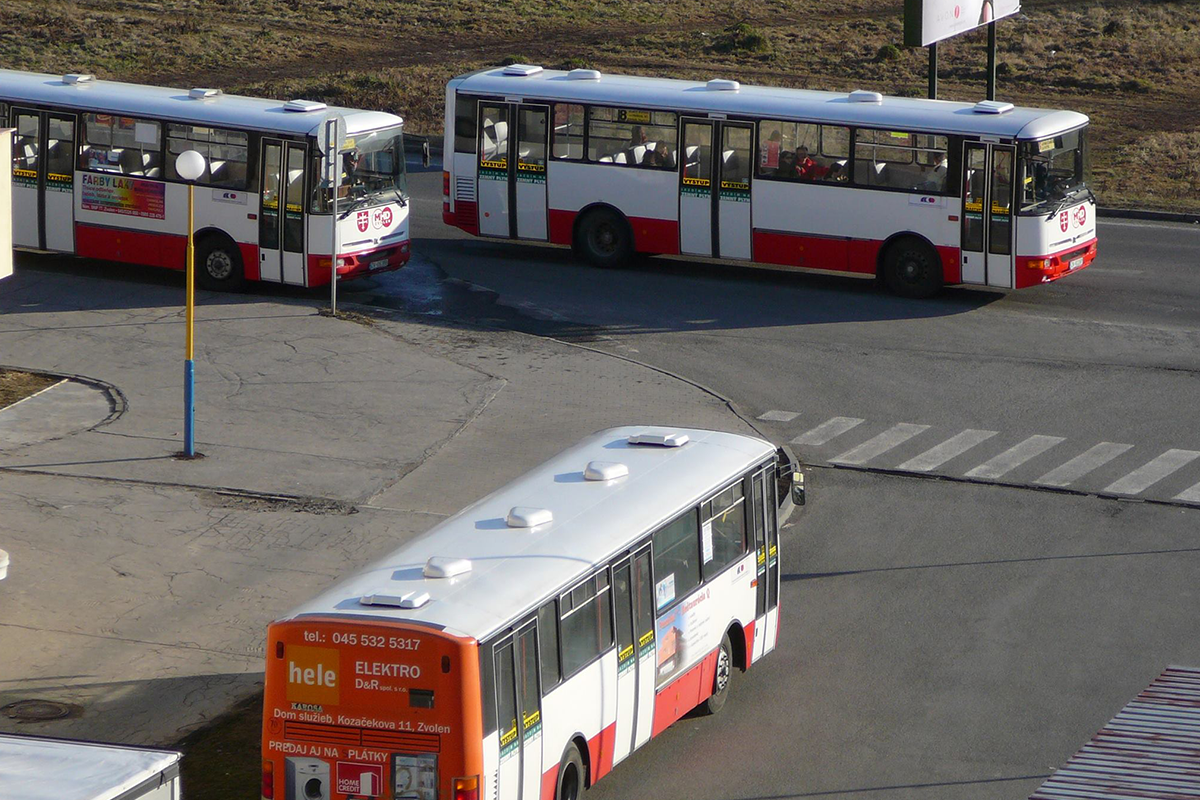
x: 141, y: 586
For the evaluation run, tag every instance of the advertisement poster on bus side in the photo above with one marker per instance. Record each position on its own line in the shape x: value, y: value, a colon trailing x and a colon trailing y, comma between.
x: 680, y: 634
x: 118, y: 194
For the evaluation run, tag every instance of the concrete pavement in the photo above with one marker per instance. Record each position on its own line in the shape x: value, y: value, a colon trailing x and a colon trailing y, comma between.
x: 141, y: 585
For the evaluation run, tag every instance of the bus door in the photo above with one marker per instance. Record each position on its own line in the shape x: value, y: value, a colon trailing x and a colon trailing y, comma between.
x: 519, y: 714
x: 766, y: 558
x: 714, y: 189
x: 987, y: 219
x: 512, y: 170
x: 635, y: 653
x: 43, y: 185
x: 281, y: 213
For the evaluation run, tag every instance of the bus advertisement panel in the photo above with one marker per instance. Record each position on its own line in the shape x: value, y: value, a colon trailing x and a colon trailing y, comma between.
x: 367, y: 711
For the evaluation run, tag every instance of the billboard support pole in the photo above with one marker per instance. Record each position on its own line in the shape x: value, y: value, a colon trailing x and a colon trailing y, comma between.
x: 991, y: 67
x: 933, y: 71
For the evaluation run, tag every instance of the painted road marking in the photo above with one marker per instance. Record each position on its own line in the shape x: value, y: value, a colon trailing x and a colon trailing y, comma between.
x: 1014, y: 457
x: 828, y: 430
x: 1191, y: 495
x: 954, y: 446
x: 1082, y: 464
x: 878, y: 445
x: 779, y: 416
x: 1151, y: 473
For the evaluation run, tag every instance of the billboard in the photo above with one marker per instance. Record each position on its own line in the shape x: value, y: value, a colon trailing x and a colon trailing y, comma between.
x: 929, y: 21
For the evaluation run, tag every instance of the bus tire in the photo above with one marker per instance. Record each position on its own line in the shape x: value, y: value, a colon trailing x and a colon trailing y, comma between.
x: 722, y: 678
x: 219, y: 265
x: 571, y: 780
x: 911, y: 268
x: 604, y: 238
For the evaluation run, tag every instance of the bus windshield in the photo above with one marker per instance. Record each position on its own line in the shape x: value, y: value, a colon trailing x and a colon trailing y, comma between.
x: 373, y: 172
x: 1053, y: 169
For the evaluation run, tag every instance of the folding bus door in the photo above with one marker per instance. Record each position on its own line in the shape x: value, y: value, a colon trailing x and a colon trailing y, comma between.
x: 766, y: 557
x: 281, y: 213
x: 43, y: 187
x: 635, y: 653
x: 714, y: 189
x: 512, y: 170
x: 519, y: 715
x: 987, y: 229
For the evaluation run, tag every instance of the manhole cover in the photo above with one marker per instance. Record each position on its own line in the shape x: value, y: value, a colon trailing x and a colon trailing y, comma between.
x: 36, y: 710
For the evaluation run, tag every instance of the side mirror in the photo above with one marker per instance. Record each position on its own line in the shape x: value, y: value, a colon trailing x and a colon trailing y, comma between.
x: 425, y: 153
x: 798, y: 488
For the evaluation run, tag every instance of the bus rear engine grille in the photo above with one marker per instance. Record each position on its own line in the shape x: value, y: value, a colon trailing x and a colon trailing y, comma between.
x: 360, y: 737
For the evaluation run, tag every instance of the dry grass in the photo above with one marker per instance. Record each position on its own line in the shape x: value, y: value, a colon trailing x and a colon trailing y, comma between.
x: 16, y: 385
x: 1133, y: 66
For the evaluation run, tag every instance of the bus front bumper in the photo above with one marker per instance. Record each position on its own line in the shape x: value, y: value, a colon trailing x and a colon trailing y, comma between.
x: 386, y: 259
x: 1032, y: 271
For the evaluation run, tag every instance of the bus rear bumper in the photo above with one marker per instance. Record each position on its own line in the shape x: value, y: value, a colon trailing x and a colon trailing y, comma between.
x: 1035, y: 270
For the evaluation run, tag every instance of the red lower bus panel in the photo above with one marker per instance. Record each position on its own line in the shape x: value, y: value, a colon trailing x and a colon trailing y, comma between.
x: 1060, y: 265
x: 749, y: 631
x: 250, y: 262
x: 798, y: 250
x: 135, y: 247
x: 549, y: 782
x: 951, y: 267
x: 465, y: 216
x: 562, y: 225
x: 657, y: 236
x: 600, y: 752
x: 679, y: 697
x: 864, y: 256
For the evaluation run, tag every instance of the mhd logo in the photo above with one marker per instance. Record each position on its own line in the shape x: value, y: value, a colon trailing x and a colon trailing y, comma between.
x: 313, y: 675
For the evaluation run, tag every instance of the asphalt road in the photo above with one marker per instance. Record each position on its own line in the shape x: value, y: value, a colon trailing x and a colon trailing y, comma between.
x: 943, y: 638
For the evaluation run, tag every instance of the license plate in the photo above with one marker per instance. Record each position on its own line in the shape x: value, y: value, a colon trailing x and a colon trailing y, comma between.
x: 1076, y: 263
x: 383, y: 262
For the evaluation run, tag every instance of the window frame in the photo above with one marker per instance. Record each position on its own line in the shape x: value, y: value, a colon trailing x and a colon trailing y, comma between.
x: 248, y: 182
x: 706, y: 516
x: 604, y: 647
x: 694, y: 510
x: 587, y: 134
x: 82, y: 141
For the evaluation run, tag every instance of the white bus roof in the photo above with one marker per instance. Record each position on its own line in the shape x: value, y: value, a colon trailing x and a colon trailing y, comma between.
x: 35, y: 768
x: 767, y: 102
x: 157, y: 102
x: 512, y: 569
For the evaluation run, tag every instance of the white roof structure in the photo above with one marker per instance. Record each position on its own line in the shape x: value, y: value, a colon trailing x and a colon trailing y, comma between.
x: 34, y: 768
x: 514, y: 565
x: 202, y: 107
x: 868, y: 109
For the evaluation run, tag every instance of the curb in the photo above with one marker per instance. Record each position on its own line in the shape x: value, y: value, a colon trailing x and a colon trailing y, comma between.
x: 1158, y: 216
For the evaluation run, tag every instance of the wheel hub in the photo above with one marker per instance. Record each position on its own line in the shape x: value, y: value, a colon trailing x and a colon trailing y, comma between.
x: 219, y: 265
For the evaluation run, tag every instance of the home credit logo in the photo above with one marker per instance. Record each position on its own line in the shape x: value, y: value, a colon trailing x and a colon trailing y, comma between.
x: 1080, y: 216
x: 364, y: 221
x: 313, y: 675
x: 365, y: 780
x: 382, y: 218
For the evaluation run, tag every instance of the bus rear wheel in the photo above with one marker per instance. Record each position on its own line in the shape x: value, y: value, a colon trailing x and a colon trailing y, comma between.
x: 570, y: 783
x: 912, y: 269
x: 604, y: 238
x: 722, y: 678
x: 219, y: 265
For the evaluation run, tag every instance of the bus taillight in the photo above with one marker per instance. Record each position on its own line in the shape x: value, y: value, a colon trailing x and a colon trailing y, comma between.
x: 268, y: 780
x: 445, y: 183
x: 466, y: 788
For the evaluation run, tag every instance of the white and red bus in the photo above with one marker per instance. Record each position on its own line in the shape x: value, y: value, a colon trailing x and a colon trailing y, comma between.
x: 94, y: 175
x: 920, y: 193
x: 523, y: 647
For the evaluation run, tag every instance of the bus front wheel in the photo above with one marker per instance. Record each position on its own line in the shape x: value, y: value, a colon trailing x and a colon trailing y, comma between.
x: 912, y: 269
x: 570, y: 783
x: 722, y: 678
x: 219, y: 265
x: 604, y: 238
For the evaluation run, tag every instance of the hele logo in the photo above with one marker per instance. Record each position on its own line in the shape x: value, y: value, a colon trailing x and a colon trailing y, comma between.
x: 313, y: 675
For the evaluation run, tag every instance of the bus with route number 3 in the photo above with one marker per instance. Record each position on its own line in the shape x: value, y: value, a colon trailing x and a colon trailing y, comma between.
x: 524, y: 647
x: 918, y: 193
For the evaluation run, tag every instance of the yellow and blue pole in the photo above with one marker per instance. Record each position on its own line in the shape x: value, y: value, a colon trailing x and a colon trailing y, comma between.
x: 189, y: 369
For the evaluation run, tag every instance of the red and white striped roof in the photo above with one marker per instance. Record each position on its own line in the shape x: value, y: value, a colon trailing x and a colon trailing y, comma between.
x: 1149, y: 751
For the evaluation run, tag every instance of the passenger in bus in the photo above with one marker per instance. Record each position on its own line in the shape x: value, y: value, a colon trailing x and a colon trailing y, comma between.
x: 806, y: 168
x: 769, y: 154
x: 659, y: 157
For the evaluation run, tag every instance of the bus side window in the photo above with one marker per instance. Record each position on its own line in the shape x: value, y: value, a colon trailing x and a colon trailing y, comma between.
x: 586, y: 622
x: 724, y: 534
x: 548, y: 641
x: 487, y: 675
x: 676, y: 559
x: 464, y: 124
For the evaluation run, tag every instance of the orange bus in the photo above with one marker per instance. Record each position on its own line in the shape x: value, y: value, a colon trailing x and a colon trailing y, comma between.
x: 523, y: 647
